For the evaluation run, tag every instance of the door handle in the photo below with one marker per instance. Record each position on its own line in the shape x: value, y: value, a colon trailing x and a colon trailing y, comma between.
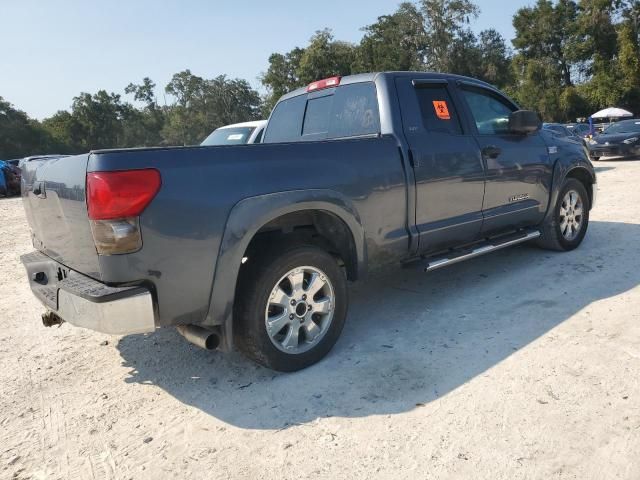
x: 491, y: 152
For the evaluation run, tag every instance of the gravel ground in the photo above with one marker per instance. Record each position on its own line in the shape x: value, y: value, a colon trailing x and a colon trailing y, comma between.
x: 521, y: 364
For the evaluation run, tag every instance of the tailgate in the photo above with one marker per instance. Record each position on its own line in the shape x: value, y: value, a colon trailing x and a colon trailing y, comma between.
x: 53, y: 193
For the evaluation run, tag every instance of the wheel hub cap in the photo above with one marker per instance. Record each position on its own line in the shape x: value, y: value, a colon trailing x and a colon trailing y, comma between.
x: 571, y: 215
x: 299, y: 310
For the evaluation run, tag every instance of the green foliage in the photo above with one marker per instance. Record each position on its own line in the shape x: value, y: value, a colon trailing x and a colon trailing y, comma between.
x: 575, y: 58
x: 445, y: 22
x: 570, y: 58
x: 19, y: 134
x: 394, y: 42
x: 323, y: 57
x: 204, y: 105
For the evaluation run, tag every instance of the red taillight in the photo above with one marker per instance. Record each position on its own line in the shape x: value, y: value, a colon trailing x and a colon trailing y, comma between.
x: 326, y: 83
x: 121, y: 194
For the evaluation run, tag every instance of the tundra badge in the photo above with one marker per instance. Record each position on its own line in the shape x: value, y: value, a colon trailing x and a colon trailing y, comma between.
x: 517, y: 198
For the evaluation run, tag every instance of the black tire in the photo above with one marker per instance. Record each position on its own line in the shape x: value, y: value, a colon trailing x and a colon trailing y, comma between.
x: 258, y: 278
x: 595, y: 159
x: 552, y: 238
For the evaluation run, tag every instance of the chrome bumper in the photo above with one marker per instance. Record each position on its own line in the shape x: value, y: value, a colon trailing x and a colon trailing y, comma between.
x: 85, y: 302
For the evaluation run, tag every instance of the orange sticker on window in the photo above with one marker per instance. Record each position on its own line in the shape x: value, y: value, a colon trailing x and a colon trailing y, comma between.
x: 442, y: 111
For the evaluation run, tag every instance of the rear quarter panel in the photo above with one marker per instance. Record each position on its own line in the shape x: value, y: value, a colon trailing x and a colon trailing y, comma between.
x: 183, y: 226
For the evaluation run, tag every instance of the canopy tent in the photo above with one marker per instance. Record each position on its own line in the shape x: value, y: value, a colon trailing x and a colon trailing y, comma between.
x: 612, y: 113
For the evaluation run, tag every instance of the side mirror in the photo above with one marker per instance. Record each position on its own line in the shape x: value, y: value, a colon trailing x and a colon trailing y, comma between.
x: 524, y: 122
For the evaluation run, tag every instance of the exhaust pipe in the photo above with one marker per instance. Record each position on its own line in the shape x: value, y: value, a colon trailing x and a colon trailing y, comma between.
x: 202, y: 337
x: 49, y: 319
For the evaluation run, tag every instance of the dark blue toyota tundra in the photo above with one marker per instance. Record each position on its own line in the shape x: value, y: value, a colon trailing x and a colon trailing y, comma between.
x: 252, y: 245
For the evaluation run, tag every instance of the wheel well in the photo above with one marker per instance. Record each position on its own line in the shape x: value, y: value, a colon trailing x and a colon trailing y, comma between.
x: 317, y: 227
x: 584, y: 177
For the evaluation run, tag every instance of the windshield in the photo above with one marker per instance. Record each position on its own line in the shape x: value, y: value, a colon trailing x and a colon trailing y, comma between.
x: 628, y: 126
x: 229, y: 136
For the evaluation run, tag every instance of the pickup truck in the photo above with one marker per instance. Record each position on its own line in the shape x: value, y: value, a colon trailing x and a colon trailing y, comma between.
x: 251, y: 246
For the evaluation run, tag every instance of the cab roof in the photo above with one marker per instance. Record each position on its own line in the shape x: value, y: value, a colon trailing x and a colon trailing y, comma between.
x: 372, y: 77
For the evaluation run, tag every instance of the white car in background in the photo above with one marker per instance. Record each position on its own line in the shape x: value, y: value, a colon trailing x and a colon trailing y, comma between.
x: 237, y: 134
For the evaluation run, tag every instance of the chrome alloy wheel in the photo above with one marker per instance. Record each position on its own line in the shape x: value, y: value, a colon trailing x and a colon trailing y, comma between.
x: 299, y: 310
x: 571, y: 215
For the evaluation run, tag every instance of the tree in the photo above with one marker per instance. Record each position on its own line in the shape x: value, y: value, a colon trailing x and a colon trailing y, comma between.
x: 547, y: 63
x: 66, y: 131
x: 145, y: 92
x: 465, y: 56
x: 394, y: 42
x: 629, y: 54
x: 143, y: 127
x: 325, y: 57
x: 19, y: 135
x: 100, y: 119
x: 281, y: 76
x: 444, y: 22
x: 495, y: 59
x: 548, y: 31
x: 204, y: 105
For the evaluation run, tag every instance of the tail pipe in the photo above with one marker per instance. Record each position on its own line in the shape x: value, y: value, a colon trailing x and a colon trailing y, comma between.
x: 49, y: 319
x: 202, y: 337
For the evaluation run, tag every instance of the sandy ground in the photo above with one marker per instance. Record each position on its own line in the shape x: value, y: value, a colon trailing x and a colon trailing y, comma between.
x: 521, y: 364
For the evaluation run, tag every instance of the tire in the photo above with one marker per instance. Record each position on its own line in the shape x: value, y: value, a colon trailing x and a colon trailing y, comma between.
x: 554, y: 229
x: 258, y: 302
x: 595, y: 159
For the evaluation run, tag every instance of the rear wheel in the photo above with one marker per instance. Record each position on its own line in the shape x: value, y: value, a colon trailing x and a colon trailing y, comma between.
x: 566, y: 228
x: 290, y: 307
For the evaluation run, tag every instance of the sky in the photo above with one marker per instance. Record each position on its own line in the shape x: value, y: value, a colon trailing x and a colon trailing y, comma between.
x: 52, y: 50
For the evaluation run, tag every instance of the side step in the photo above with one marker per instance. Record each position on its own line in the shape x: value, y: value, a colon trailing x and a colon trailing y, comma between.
x: 480, y: 249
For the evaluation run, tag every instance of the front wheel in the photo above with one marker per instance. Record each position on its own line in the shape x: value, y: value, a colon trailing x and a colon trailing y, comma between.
x: 566, y: 228
x: 290, y: 307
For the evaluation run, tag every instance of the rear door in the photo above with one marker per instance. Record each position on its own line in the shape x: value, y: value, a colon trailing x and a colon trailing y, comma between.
x: 447, y: 165
x: 518, y: 168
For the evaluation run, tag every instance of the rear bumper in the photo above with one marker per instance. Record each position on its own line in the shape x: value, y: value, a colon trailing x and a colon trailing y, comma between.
x: 85, y: 302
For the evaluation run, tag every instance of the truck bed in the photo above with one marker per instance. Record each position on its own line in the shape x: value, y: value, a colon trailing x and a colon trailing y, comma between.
x: 183, y: 226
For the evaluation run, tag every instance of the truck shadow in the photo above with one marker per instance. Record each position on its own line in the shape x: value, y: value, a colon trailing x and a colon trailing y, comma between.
x: 410, y: 337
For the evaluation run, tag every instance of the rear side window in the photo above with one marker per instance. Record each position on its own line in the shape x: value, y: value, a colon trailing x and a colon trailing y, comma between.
x: 355, y: 111
x: 346, y: 111
x: 438, y: 111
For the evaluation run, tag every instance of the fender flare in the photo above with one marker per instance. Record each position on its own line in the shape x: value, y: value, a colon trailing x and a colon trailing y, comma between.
x: 560, y: 173
x: 245, y: 220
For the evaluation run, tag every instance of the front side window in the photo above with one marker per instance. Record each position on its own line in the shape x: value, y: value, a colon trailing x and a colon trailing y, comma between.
x: 490, y: 114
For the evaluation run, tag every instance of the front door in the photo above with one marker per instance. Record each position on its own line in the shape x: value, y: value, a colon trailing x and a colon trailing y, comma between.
x: 518, y: 168
x: 447, y: 165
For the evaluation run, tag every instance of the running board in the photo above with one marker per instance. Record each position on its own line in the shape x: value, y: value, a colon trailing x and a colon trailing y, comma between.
x: 486, y: 247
